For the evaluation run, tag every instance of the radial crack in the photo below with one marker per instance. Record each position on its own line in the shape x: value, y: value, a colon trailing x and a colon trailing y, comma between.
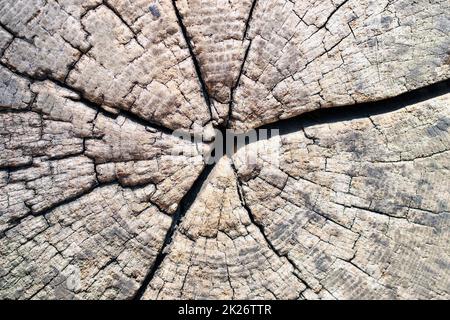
x: 184, y: 206
x: 193, y: 56
x: 359, y: 110
x: 98, y: 107
x: 261, y: 229
x: 241, y: 70
x: 250, y: 15
x: 236, y: 85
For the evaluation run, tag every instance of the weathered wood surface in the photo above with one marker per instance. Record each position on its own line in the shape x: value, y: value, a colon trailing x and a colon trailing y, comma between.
x: 97, y: 201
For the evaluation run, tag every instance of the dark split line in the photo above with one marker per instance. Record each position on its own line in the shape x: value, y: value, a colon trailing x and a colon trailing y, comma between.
x: 358, y: 110
x: 295, y: 124
x: 241, y: 70
x: 82, y: 99
x: 183, y: 207
x: 287, y: 126
x: 198, y: 70
x: 193, y: 192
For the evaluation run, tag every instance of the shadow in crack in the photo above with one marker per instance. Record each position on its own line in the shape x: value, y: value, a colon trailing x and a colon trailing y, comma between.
x: 177, y: 218
x: 359, y: 110
x: 229, y: 146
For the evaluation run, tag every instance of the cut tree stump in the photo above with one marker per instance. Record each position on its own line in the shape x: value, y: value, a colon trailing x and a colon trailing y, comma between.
x: 110, y: 110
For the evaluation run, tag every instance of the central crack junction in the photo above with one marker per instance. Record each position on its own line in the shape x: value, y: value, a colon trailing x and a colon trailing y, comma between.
x: 226, y: 142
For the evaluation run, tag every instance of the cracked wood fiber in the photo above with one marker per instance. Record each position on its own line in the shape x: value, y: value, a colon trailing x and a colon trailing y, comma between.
x: 99, y: 200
